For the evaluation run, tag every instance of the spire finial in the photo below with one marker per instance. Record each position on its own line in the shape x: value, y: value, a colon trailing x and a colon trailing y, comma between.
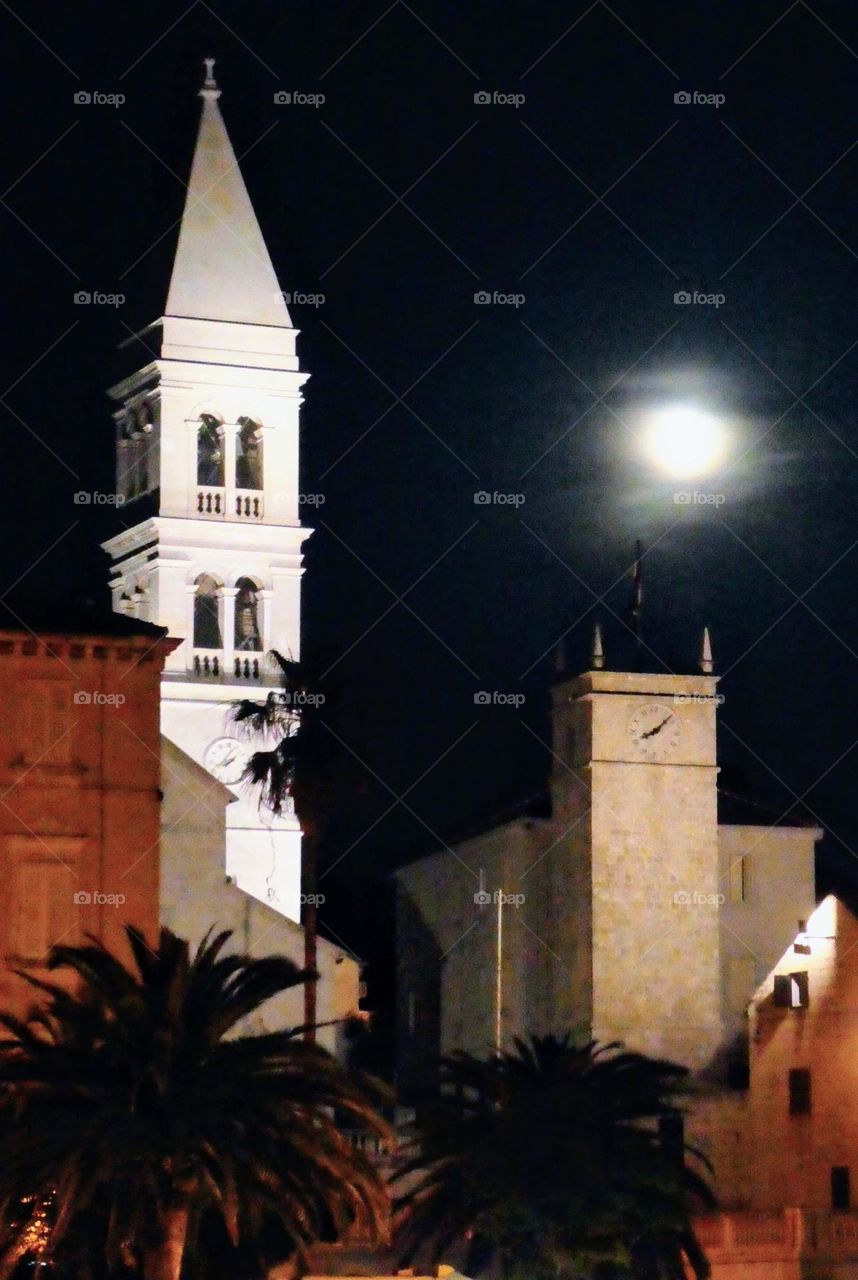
x: 597, y: 657
x: 707, y: 666
x: 209, y: 89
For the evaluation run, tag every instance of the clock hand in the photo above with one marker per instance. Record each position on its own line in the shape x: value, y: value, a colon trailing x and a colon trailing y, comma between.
x: 658, y: 728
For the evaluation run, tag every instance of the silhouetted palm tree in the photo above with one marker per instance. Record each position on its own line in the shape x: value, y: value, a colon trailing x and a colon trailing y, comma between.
x: 305, y: 762
x: 143, y: 1134
x: 556, y: 1162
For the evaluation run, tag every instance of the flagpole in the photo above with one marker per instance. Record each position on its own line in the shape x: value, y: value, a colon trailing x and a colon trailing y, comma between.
x: 637, y: 604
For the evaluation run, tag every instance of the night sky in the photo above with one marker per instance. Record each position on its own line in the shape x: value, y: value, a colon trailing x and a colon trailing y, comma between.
x: 597, y: 198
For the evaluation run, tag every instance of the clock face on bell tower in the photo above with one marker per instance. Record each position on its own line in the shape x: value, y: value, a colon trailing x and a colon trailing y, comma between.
x: 655, y: 730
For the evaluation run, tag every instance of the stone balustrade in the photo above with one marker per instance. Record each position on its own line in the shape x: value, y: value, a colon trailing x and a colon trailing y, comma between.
x: 772, y: 1235
x: 216, y: 502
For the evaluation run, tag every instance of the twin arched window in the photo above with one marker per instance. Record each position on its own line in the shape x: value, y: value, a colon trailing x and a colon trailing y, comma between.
x: 208, y: 615
x: 211, y: 453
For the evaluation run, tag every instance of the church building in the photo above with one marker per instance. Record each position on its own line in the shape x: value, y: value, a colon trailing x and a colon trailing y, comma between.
x: 640, y: 905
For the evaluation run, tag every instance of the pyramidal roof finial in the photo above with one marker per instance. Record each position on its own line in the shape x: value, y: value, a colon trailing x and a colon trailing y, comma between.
x: 222, y: 270
x: 209, y: 89
x: 707, y: 666
x: 597, y: 657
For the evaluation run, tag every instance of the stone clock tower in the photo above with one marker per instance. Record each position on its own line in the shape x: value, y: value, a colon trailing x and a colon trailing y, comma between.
x: 637, y: 791
x: 207, y: 462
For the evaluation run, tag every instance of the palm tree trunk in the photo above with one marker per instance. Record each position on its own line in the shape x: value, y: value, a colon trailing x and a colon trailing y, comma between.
x: 165, y: 1262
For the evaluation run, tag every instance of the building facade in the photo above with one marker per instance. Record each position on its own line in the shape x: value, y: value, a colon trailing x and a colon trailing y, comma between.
x: 80, y: 804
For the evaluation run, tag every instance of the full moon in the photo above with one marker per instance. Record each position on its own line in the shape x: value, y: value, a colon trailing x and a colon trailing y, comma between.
x: 684, y: 441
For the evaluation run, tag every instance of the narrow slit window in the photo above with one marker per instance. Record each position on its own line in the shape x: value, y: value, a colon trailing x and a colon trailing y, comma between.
x: 799, y: 1092
x: 841, y: 1191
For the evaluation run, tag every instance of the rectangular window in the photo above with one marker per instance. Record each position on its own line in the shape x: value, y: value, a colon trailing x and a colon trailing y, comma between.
x: 799, y: 1092
x: 49, y: 718
x: 44, y: 908
x: 792, y: 990
x: 841, y: 1196
x: 739, y: 879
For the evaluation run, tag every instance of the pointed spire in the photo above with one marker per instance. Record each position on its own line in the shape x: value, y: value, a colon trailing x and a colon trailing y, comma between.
x: 707, y: 666
x: 222, y: 270
x: 597, y: 656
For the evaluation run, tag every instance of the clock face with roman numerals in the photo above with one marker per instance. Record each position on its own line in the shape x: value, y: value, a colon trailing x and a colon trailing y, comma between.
x: 655, y: 730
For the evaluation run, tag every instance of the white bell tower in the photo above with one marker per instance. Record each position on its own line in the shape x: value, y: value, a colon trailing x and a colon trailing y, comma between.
x: 207, y: 461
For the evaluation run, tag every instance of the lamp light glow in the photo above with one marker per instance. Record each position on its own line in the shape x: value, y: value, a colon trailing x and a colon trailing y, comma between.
x: 684, y: 441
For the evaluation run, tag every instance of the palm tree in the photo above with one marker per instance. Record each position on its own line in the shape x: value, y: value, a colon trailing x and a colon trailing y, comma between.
x: 143, y: 1134
x: 305, y: 764
x: 557, y: 1162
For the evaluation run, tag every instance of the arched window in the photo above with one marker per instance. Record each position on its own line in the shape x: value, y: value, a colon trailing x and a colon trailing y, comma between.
x: 136, y: 430
x: 248, y: 635
x: 207, y: 629
x: 248, y: 455
x: 209, y: 452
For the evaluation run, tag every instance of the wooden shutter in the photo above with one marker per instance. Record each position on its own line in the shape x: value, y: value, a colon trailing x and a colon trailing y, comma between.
x: 48, y: 717
x: 44, y: 908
